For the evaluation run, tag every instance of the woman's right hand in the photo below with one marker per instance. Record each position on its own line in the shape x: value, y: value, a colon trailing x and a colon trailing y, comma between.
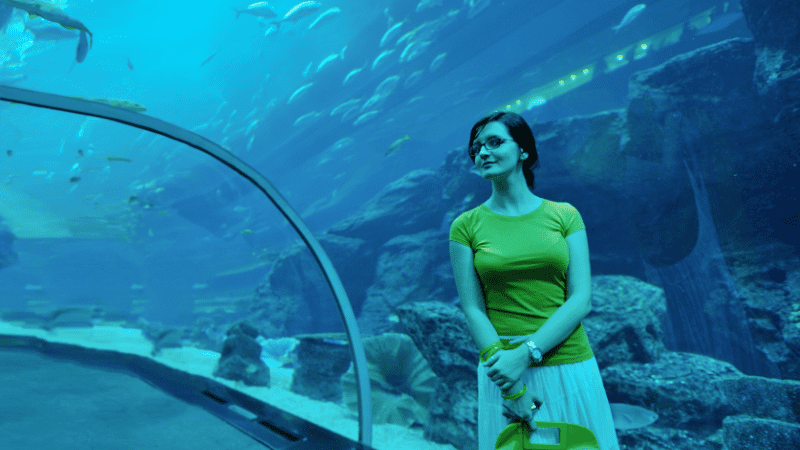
x: 519, y: 410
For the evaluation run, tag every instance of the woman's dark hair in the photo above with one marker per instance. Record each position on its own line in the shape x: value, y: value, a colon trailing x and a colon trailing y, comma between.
x: 522, y: 135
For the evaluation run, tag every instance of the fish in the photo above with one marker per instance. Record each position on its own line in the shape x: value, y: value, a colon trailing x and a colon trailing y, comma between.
x: 350, y: 75
x: 387, y: 86
x: 169, y: 338
x: 50, y: 13
x: 346, y: 106
x: 298, y: 12
x: 365, y: 117
x: 117, y: 159
x: 260, y: 9
x: 391, y: 33
x: 83, y: 48
x: 629, y: 417
x: 246, y: 231
x: 396, y: 145
x: 330, y: 58
x: 9, y: 152
x: 299, y: 91
x: 412, y: 79
x: 326, y: 15
x: 308, y: 67
x: 52, y: 33
x: 374, y: 101
x: 306, y: 118
x: 437, y: 62
x: 199, y: 286
x: 427, y: 4
x: 381, y: 58
x: 632, y: 14
x: 209, y: 59
x: 341, y: 143
x: 74, y: 179
x: 413, y: 50
x: 476, y: 6
x: 130, y: 65
x: 70, y: 317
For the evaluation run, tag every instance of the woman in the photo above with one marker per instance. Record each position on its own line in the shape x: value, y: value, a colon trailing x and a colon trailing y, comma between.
x: 521, y: 267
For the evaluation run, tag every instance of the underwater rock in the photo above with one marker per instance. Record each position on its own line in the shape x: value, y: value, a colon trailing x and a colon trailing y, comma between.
x: 321, y: 360
x: 240, y: 359
x: 626, y: 321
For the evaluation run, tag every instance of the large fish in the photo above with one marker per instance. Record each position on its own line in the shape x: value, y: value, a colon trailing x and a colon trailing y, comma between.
x: 629, y: 417
x: 300, y: 11
x: 83, y: 48
x: 632, y: 14
x: 260, y: 9
x: 51, y: 33
x: 53, y: 14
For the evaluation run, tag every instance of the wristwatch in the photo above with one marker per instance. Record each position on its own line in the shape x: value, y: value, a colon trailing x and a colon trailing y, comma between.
x: 534, y: 352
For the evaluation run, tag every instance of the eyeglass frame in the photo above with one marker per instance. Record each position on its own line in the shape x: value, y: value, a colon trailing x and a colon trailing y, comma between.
x: 486, y: 144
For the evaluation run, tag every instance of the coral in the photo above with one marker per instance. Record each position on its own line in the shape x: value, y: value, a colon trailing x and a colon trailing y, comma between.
x: 401, y: 380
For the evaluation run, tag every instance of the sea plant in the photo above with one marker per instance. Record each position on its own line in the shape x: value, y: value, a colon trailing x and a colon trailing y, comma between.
x: 402, y: 383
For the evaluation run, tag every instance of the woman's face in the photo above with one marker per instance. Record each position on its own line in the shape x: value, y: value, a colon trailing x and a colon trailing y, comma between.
x: 500, y: 160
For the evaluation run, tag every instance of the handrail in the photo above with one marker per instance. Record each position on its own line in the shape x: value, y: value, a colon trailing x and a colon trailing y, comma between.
x: 158, y: 126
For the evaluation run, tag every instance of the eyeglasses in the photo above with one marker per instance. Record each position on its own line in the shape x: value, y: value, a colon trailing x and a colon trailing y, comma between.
x: 491, y: 144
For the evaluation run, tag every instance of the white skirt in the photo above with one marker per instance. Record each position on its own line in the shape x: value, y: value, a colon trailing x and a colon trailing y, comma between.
x: 571, y: 393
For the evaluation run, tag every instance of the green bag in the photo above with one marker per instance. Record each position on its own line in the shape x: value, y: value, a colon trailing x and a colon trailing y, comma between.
x: 516, y: 436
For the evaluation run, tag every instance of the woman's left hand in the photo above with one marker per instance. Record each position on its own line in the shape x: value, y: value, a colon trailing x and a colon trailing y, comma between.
x: 505, y: 367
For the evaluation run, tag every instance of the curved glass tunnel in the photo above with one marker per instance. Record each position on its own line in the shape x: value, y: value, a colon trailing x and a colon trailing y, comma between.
x: 158, y: 292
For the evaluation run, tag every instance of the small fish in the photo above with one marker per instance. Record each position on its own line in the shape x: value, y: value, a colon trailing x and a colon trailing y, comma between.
x: 350, y: 75
x: 396, y: 145
x: 81, y: 153
x: 9, y: 152
x: 199, y: 286
x: 260, y: 9
x: 629, y: 417
x: 299, y: 91
x: 437, y: 62
x: 130, y: 65
x: 632, y: 14
x: 326, y: 61
x: 246, y: 231
x: 306, y: 118
x: 381, y: 58
x: 391, y: 33
x: 299, y: 11
x: 335, y: 341
x: 136, y: 287
x: 412, y: 79
x: 209, y: 59
x: 117, y: 159
x: 427, y: 4
x: 346, y: 106
x: 327, y: 14
x: 365, y: 117
x: 74, y: 179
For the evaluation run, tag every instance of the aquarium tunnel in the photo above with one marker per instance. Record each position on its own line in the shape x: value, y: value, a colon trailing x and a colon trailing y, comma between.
x: 227, y: 225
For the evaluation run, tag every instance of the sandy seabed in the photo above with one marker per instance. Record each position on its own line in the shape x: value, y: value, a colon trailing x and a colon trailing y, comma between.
x: 331, y: 416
